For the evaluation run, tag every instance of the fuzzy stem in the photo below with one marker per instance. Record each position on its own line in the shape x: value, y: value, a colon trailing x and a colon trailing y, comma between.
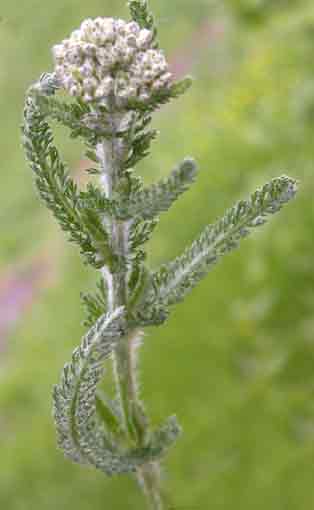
x: 109, y: 153
x: 148, y: 477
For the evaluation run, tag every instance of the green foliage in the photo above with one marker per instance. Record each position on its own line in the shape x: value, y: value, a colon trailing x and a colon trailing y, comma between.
x: 140, y: 232
x: 108, y: 414
x: 174, y: 280
x: 55, y: 186
x: 59, y: 191
x: 95, y: 304
x: 150, y: 202
x: 69, y: 115
x: 81, y: 435
x: 94, y: 199
x: 140, y: 145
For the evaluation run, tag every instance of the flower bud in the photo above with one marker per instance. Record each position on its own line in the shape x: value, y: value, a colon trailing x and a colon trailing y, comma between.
x: 108, y: 57
x: 144, y: 39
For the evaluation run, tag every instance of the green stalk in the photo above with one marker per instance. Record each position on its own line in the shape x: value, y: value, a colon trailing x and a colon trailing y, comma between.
x: 124, y: 359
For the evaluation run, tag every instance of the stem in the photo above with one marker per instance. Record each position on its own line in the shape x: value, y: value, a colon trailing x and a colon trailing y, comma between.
x: 109, y: 154
x: 148, y: 477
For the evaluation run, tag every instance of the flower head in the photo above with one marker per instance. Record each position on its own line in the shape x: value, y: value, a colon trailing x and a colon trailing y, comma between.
x: 111, y: 58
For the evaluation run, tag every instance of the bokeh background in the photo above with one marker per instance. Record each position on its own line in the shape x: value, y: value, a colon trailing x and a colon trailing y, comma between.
x: 236, y: 361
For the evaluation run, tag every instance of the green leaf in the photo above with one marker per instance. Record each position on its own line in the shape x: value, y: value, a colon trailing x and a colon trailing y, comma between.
x: 95, y: 304
x: 60, y: 193
x: 104, y: 409
x: 165, y: 435
x: 174, y: 280
x: 80, y: 433
x: 140, y: 147
x: 150, y: 202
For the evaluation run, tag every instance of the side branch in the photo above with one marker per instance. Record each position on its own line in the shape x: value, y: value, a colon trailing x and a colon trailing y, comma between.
x: 150, y: 202
x: 174, y: 280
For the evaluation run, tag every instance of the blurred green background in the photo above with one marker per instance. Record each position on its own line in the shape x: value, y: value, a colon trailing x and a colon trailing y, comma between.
x: 235, y: 362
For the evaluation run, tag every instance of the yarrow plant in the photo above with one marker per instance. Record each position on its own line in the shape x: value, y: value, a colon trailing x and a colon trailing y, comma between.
x: 117, y: 77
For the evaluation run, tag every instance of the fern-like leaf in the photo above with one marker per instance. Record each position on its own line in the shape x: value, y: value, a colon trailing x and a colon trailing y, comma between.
x: 95, y: 304
x: 69, y: 115
x: 59, y: 192
x: 77, y: 116
x: 140, y: 147
x: 173, y: 281
x: 81, y: 434
x: 148, y: 203
x: 86, y: 366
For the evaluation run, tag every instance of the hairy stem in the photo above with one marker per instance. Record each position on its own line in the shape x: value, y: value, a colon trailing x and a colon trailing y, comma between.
x: 148, y: 477
x: 109, y: 154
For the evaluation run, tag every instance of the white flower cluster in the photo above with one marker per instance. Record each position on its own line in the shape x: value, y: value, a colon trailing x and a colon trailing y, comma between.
x: 109, y: 57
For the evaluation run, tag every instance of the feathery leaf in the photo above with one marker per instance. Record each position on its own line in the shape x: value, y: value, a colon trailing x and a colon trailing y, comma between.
x: 140, y: 147
x: 59, y: 191
x: 80, y: 433
x: 174, y: 280
x: 95, y: 304
x: 150, y: 202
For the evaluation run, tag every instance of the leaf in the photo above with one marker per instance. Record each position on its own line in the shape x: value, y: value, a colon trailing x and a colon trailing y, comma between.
x: 165, y: 435
x: 80, y: 433
x: 140, y: 147
x: 174, y: 280
x: 150, y: 202
x: 60, y: 193
x: 104, y: 409
x: 71, y: 115
x: 95, y: 305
